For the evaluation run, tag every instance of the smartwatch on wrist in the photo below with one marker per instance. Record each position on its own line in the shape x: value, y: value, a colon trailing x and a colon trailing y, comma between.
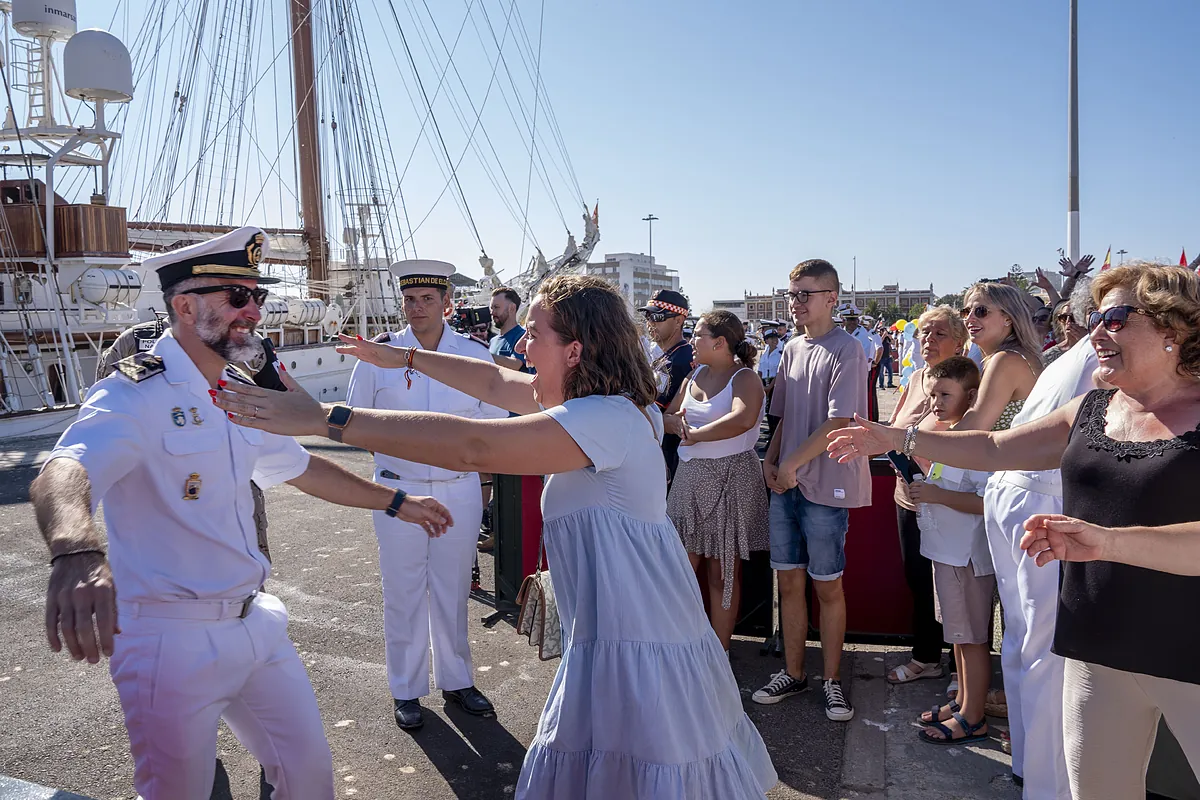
x: 338, y: 419
x: 397, y: 500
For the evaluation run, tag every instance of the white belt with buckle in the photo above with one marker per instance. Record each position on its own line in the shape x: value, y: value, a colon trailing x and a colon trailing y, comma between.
x: 388, y: 475
x: 212, y: 610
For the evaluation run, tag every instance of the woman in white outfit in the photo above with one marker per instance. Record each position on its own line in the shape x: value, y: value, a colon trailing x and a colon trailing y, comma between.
x: 644, y: 704
x: 718, y: 501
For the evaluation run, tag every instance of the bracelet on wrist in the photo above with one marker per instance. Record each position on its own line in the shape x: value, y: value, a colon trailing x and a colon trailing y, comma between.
x: 408, y: 370
x: 79, y: 552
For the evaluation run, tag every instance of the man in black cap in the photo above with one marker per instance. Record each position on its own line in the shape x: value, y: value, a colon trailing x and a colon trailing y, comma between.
x: 665, y: 315
x: 186, y: 571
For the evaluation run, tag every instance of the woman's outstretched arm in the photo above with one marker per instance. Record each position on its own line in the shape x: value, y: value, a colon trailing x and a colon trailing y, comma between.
x: 530, y: 445
x: 483, y: 380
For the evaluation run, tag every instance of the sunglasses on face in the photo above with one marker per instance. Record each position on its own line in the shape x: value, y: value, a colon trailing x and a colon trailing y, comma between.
x: 1114, y: 319
x: 659, y: 316
x: 238, y: 296
x: 980, y: 312
x: 1064, y: 316
x: 802, y: 297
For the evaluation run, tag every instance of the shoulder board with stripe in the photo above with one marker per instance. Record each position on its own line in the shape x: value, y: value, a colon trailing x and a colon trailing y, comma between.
x: 239, y: 375
x: 140, y: 366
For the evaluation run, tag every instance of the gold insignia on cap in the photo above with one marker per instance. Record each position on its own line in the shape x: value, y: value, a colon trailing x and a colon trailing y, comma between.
x: 254, y: 249
x: 191, y: 487
x: 177, y: 417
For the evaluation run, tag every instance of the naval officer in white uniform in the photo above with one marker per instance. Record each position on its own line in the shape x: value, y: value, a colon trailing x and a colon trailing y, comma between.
x: 180, y: 611
x: 426, y: 582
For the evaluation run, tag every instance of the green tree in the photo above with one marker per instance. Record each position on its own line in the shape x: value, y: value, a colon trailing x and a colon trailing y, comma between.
x: 952, y: 300
x: 916, y: 310
x: 872, y: 309
x: 891, y: 313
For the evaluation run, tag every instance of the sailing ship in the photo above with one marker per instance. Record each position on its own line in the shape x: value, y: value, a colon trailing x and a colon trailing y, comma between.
x: 206, y: 144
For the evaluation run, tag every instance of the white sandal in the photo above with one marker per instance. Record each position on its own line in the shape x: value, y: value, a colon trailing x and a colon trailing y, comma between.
x: 902, y: 673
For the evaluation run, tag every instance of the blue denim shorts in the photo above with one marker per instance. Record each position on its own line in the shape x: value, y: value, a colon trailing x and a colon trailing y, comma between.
x: 808, y: 535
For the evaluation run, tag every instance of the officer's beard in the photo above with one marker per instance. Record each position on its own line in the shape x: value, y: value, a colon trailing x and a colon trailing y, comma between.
x: 214, y: 333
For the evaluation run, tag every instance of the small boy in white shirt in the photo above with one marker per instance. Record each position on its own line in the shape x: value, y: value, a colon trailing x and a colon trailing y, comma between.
x: 950, y: 515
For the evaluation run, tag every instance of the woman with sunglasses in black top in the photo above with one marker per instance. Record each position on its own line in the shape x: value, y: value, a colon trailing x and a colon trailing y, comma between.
x: 1130, y: 458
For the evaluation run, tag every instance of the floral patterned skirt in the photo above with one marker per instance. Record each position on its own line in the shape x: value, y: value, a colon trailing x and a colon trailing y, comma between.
x: 720, y: 507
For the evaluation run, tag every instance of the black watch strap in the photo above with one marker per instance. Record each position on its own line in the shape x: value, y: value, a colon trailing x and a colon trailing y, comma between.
x: 338, y: 419
x: 397, y: 500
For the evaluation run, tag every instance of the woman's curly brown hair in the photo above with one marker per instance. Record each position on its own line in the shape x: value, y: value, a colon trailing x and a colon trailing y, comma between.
x: 590, y: 311
x: 1171, y: 295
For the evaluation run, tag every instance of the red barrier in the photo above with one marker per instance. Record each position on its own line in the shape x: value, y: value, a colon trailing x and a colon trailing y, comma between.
x: 877, y: 598
x: 531, y: 521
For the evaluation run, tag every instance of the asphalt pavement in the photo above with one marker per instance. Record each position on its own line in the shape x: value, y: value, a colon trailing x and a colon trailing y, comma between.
x: 62, y: 725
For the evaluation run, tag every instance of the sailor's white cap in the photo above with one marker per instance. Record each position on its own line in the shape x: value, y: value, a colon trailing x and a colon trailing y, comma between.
x: 422, y: 272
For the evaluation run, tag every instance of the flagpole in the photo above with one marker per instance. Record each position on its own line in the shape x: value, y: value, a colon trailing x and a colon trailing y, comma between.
x: 1073, y: 136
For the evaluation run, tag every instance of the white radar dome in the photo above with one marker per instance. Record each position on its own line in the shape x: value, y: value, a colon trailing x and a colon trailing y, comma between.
x: 96, y: 66
x: 52, y: 18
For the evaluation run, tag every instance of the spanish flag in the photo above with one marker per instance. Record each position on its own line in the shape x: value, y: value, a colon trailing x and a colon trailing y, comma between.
x: 1183, y: 262
x: 1107, y: 260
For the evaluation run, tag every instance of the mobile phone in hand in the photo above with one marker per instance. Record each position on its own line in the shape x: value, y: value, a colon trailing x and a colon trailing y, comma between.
x: 907, y: 468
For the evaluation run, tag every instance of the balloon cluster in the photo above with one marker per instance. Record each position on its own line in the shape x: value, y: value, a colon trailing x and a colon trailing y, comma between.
x: 908, y: 332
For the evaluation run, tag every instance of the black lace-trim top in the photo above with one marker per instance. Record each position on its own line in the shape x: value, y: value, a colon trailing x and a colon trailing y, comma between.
x: 1118, y: 616
x: 1091, y: 422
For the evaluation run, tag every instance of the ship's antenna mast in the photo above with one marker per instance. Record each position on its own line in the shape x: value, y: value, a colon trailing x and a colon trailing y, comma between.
x: 308, y: 148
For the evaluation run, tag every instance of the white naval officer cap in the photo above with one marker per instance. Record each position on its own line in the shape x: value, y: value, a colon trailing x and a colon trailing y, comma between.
x: 236, y: 254
x: 848, y: 310
x: 421, y: 273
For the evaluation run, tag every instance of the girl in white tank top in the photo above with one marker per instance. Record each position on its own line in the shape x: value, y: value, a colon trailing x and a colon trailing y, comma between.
x: 718, y: 500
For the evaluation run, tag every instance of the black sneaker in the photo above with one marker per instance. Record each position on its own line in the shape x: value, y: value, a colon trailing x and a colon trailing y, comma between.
x: 780, y: 686
x: 837, y: 707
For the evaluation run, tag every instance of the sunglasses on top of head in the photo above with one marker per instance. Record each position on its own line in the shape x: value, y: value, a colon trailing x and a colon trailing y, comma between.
x: 1114, y: 318
x: 238, y: 296
x: 659, y: 316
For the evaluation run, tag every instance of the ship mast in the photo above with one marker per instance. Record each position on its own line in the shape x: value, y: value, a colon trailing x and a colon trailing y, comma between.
x: 308, y: 148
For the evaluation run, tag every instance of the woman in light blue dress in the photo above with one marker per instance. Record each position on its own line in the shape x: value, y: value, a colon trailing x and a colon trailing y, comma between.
x: 644, y: 704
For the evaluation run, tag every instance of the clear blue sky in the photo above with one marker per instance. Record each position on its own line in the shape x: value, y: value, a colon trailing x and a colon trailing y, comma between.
x: 925, y: 137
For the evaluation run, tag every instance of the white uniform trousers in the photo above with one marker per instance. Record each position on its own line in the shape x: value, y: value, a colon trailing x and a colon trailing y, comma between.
x: 176, y: 678
x: 1033, y: 676
x: 426, y: 584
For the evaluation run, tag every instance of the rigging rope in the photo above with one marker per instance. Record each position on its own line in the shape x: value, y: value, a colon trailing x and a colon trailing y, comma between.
x: 533, y: 128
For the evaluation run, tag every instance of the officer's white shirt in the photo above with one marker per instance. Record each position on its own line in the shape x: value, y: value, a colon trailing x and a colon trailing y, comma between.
x: 141, y: 443
x: 373, y: 387
x: 768, y: 362
x: 868, y: 342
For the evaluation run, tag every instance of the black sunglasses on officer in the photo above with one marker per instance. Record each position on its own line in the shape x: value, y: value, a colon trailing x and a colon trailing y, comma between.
x: 238, y: 296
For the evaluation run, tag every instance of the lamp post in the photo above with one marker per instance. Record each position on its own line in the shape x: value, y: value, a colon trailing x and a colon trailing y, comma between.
x: 650, y: 218
x: 1122, y: 253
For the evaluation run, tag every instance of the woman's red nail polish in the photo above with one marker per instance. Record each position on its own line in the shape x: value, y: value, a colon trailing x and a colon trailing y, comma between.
x: 356, y: 336
x: 222, y: 384
x: 230, y: 415
x: 282, y: 368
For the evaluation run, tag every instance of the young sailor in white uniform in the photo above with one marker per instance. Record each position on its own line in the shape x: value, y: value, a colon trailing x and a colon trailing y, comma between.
x: 426, y: 582
x: 197, y: 639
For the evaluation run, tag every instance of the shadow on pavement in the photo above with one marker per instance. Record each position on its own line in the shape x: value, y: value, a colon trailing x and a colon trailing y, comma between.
x: 471, y: 753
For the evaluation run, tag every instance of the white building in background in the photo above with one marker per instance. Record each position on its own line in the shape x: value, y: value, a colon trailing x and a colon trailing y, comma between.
x: 636, y: 275
x: 738, y: 307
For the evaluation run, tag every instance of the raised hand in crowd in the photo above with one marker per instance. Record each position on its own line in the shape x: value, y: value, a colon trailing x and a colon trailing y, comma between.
x: 1044, y: 282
